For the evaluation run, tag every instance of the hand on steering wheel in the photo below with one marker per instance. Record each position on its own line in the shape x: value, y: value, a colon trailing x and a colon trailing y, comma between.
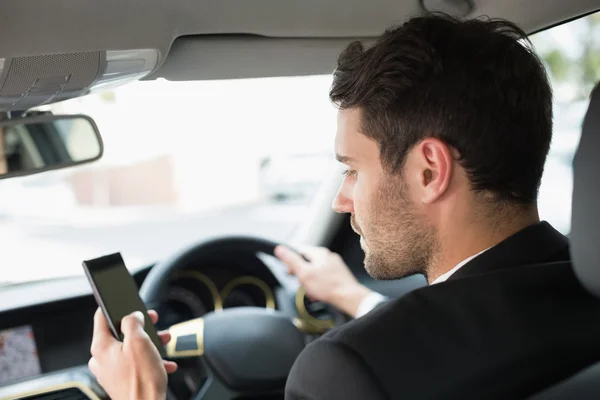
x: 325, y: 277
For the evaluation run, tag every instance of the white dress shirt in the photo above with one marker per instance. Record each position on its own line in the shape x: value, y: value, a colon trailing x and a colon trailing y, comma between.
x: 373, y: 299
x: 370, y: 301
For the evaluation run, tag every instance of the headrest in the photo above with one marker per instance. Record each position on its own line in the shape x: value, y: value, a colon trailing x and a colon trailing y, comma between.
x: 585, y: 216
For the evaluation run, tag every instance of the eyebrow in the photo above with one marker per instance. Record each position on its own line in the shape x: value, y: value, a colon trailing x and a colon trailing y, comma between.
x: 343, y: 159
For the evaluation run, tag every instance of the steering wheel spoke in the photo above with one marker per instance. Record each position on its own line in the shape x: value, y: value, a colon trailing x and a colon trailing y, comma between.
x: 244, y: 351
x: 213, y: 388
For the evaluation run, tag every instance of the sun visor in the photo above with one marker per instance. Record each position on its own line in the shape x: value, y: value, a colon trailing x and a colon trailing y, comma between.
x: 31, y: 81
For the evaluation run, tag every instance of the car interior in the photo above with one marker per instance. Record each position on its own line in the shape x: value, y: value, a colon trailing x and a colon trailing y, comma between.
x: 143, y: 128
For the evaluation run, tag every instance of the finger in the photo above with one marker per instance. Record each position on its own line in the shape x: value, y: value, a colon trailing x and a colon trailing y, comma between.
x: 312, y: 253
x: 165, y: 337
x: 293, y: 260
x: 93, y: 366
x: 102, y: 337
x: 153, y: 316
x: 170, y: 366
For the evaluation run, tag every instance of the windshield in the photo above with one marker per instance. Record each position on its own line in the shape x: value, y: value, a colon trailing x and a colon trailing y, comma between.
x: 185, y: 161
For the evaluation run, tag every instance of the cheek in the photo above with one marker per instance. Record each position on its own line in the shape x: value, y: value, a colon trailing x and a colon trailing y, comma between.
x: 362, y: 197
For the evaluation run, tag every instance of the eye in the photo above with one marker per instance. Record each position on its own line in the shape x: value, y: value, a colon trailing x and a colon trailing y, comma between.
x: 350, y: 173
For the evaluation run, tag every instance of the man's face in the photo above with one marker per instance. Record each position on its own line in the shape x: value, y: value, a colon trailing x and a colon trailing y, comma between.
x: 395, y: 236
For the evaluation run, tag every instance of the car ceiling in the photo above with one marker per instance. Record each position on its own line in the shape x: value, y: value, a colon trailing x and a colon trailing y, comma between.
x: 213, y: 39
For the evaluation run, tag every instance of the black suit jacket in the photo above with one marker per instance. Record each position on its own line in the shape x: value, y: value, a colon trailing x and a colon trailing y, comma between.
x: 509, y: 323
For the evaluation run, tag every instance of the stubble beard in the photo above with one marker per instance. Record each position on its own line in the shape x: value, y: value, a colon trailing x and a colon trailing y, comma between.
x: 397, y: 241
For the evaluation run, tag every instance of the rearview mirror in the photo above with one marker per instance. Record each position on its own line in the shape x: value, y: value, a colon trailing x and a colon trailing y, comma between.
x: 46, y: 142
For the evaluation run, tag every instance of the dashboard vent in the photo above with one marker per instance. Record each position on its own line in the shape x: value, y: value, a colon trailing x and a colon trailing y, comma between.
x: 63, y: 394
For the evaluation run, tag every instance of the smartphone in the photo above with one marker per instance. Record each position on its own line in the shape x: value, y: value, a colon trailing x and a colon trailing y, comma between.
x: 117, y: 295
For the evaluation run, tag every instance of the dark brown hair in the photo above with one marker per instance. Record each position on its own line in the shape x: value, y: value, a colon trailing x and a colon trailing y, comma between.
x: 475, y: 84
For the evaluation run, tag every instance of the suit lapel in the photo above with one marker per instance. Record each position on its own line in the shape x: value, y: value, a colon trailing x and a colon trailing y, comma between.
x: 538, y: 243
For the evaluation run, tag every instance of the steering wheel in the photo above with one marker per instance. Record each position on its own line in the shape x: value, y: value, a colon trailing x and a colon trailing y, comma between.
x: 246, y: 351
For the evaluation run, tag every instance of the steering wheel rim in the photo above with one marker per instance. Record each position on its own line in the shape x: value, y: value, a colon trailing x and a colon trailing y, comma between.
x: 226, y: 340
x: 154, y: 288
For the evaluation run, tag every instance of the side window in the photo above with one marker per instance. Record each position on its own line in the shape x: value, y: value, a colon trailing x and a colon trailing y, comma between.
x: 571, y: 54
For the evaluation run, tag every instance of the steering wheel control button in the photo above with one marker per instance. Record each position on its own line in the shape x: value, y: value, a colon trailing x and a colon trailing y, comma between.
x: 187, y: 339
x: 186, y: 342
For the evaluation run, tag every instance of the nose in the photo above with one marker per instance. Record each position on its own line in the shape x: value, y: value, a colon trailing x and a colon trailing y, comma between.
x: 342, y: 203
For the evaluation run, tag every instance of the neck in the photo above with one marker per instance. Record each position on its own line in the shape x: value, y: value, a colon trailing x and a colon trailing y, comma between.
x: 458, y: 242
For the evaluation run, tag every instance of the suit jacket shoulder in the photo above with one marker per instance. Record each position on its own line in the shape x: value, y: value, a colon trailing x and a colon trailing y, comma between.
x: 329, y: 369
x: 494, y: 334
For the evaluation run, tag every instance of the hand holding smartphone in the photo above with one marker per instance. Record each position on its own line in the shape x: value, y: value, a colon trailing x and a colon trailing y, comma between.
x: 117, y: 295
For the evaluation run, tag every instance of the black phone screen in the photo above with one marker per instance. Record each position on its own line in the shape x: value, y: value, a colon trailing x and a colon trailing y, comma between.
x: 117, y: 294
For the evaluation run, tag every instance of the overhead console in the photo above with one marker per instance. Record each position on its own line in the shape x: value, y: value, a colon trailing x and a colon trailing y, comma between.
x: 31, y: 81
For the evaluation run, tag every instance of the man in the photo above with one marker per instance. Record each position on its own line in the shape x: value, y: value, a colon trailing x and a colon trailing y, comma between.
x: 444, y: 126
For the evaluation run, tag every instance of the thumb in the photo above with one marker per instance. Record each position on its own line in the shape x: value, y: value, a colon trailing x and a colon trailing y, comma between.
x: 133, y: 325
x: 293, y: 260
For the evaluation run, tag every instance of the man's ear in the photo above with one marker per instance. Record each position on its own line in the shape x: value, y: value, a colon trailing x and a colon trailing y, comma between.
x: 434, y: 163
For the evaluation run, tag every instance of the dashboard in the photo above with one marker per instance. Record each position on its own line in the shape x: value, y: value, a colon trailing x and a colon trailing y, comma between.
x: 46, y: 327
x: 44, y: 339
x: 192, y: 293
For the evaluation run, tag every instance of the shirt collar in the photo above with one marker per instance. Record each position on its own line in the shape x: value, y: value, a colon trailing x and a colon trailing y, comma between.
x: 449, y: 273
